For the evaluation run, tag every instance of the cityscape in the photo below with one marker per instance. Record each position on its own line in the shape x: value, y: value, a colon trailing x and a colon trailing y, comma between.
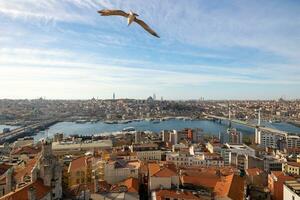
x: 158, y: 100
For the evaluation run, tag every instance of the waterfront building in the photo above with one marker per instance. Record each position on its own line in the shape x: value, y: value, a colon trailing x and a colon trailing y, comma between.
x: 257, y: 137
x: 58, y: 137
x: 165, y: 136
x: 137, y: 137
x: 268, y: 139
x: 232, y: 136
x: 173, y: 137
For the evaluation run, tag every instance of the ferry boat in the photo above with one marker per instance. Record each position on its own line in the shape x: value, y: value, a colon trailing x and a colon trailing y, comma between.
x: 156, y: 121
x: 128, y: 129
x: 110, y: 122
x: 81, y: 121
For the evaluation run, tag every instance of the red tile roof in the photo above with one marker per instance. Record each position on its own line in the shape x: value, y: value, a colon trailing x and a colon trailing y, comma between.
x: 236, y: 191
x: 78, y: 163
x: 204, y: 181
x: 163, y: 194
x: 223, y: 186
x: 153, y: 168
x: 132, y: 185
x: 22, y: 194
x: 21, y: 172
x: 165, y: 172
x: 253, y: 171
x: 26, y: 150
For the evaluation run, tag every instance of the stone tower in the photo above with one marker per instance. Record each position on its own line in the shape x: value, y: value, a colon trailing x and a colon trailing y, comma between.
x: 50, y: 169
x: 9, y: 180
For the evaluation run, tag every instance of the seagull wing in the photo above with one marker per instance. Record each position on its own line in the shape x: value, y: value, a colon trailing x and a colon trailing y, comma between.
x: 146, y: 27
x: 113, y: 12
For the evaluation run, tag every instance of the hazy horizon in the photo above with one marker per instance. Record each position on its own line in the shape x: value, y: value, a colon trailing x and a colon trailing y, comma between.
x: 213, y: 49
x: 157, y: 99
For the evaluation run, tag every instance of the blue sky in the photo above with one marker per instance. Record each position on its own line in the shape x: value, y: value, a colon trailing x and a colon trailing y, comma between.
x: 216, y: 49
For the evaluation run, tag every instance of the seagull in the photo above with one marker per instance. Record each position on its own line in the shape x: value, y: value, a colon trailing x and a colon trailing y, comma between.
x: 131, y: 17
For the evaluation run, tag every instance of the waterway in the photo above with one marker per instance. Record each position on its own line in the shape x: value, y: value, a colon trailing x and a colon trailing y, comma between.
x: 208, y: 127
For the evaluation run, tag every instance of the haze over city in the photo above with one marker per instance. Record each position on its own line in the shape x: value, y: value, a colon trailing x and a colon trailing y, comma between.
x: 211, y: 49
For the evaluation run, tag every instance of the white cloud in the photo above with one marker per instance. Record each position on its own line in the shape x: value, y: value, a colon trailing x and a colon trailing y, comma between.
x: 50, y: 10
x: 43, y: 56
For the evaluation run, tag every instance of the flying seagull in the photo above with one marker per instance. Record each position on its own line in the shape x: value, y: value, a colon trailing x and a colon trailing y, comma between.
x: 131, y: 17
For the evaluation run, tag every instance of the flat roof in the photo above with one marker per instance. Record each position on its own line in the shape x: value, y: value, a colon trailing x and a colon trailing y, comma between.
x: 293, y: 185
x: 93, y: 144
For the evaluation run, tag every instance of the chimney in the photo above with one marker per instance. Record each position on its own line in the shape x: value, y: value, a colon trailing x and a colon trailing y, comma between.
x: 31, y: 193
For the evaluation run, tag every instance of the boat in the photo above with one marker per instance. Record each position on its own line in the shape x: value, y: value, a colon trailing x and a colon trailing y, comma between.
x: 80, y: 121
x: 128, y: 129
x: 124, y: 121
x: 156, y: 121
x: 94, y: 120
x: 110, y: 122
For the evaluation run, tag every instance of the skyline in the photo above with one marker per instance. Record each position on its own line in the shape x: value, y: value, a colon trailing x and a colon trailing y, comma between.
x: 215, y: 50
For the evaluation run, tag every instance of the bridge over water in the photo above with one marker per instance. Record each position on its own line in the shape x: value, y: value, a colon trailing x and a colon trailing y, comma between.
x: 25, y: 131
x: 248, y: 124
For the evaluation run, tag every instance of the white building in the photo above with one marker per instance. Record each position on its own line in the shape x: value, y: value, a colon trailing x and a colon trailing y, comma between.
x: 237, y: 154
x: 186, y: 159
x: 292, y: 141
x: 147, y: 152
x: 174, y: 137
x: 161, y: 177
x: 268, y: 139
x: 291, y: 190
x: 119, y: 170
